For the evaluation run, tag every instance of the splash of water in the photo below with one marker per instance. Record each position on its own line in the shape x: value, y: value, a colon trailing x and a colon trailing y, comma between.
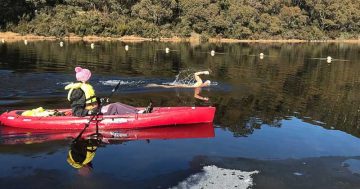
x: 185, y: 77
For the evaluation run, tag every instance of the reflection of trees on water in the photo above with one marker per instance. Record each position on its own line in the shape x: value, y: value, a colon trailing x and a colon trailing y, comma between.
x: 269, y: 89
x: 243, y: 116
x: 278, y: 87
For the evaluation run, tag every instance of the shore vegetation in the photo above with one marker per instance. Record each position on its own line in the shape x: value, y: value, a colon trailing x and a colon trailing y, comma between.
x: 234, y: 19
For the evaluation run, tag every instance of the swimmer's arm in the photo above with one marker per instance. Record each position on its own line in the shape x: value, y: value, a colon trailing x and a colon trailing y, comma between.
x: 200, y: 73
x: 198, y: 79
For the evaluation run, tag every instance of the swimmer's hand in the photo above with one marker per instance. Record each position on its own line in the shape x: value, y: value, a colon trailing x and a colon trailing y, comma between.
x: 206, y: 72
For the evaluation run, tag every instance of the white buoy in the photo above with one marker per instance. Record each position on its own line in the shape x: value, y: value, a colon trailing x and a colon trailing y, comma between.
x: 3, y: 40
x: 212, y: 53
x: 126, y: 47
x: 61, y: 44
x: 25, y: 42
x: 92, y: 46
x: 328, y: 59
x: 167, y: 50
x: 261, y: 55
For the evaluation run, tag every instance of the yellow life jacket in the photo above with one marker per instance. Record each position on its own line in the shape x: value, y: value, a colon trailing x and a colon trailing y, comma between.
x: 87, y: 88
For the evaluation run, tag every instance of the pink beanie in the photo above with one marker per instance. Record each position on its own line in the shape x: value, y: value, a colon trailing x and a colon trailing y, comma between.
x: 82, y: 74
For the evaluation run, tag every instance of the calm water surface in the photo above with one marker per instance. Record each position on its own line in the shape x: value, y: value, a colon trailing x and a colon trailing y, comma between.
x: 290, y: 115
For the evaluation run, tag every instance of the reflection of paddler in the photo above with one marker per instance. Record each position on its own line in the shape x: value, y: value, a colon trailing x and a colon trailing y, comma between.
x: 81, y: 154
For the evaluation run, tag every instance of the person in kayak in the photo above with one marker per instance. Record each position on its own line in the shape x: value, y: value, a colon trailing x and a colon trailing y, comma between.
x: 199, y: 82
x: 81, y: 94
x: 84, y: 101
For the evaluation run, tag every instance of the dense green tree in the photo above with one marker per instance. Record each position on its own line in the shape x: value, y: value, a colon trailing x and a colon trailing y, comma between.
x: 241, y: 19
x: 156, y: 11
x: 11, y: 12
x: 292, y: 17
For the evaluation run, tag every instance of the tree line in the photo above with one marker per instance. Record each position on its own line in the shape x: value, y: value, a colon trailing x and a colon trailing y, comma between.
x: 239, y: 19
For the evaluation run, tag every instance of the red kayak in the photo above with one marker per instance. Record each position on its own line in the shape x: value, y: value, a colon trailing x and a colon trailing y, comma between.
x: 160, y: 116
x: 12, y: 135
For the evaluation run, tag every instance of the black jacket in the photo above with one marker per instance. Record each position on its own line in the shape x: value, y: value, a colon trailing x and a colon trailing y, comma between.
x: 78, y: 103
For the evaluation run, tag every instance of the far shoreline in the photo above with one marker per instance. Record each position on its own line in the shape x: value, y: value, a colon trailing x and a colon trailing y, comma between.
x: 14, y: 37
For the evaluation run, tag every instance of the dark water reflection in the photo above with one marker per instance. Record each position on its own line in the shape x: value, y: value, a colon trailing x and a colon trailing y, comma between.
x: 287, y: 104
x: 250, y: 90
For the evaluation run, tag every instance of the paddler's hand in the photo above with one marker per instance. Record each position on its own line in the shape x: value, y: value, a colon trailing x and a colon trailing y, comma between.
x: 206, y: 72
x: 92, y: 112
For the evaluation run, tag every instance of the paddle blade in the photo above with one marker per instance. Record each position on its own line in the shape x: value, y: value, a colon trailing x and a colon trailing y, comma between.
x: 116, y: 87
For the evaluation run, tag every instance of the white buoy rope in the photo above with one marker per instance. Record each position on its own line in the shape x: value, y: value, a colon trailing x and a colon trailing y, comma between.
x: 61, y: 44
x: 92, y: 45
x: 167, y: 50
x: 212, y: 53
x: 25, y: 42
x: 126, y: 47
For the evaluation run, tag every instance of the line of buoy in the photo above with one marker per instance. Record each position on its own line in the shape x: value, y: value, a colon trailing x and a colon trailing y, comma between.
x: 328, y: 59
x: 3, y: 40
x: 261, y: 55
x: 167, y: 50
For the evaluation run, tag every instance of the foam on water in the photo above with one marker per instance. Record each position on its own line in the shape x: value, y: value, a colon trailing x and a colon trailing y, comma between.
x: 122, y: 82
x: 7, y: 102
x: 353, y: 165
x: 213, y: 177
x: 63, y: 83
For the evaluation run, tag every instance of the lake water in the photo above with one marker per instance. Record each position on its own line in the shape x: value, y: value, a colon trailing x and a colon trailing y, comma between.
x: 289, y: 115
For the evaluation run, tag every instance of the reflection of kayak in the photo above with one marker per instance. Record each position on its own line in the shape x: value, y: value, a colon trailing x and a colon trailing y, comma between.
x: 160, y: 116
x: 12, y: 135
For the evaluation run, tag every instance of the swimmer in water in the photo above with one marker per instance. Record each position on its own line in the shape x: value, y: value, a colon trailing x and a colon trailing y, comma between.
x: 199, y: 82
